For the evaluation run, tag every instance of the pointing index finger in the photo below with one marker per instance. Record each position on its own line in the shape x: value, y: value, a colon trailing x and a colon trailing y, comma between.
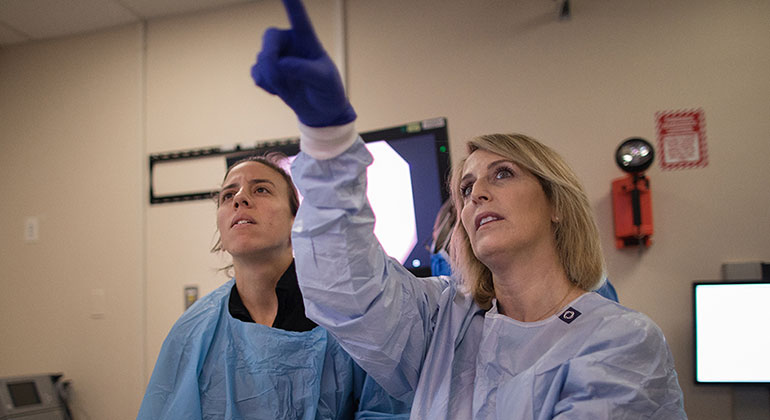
x: 300, y: 22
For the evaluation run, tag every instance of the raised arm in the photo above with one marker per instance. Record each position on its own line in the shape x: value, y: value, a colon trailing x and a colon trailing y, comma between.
x: 381, y: 314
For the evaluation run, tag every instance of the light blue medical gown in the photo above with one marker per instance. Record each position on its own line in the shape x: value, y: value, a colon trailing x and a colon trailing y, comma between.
x: 212, y: 366
x: 427, y: 339
x: 439, y: 266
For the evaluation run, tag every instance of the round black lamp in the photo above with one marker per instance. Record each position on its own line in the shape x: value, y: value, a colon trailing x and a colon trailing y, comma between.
x: 634, y: 155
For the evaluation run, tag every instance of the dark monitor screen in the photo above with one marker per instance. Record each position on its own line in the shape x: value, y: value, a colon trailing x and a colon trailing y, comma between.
x: 406, y: 185
x: 23, y: 394
x: 406, y: 182
x: 425, y: 169
x: 731, y: 332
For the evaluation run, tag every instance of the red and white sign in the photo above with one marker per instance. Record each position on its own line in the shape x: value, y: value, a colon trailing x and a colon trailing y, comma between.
x: 682, y: 139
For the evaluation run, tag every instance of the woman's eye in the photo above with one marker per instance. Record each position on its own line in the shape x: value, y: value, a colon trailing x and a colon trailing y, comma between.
x: 261, y: 190
x: 503, y: 173
x: 465, y: 189
x: 225, y: 196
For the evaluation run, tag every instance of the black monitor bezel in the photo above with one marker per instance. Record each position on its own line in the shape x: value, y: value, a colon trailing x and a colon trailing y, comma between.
x: 437, y: 127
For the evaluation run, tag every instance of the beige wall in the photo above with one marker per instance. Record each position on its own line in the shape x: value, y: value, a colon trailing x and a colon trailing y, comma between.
x: 79, y: 116
x: 200, y: 93
x: 71, y: 155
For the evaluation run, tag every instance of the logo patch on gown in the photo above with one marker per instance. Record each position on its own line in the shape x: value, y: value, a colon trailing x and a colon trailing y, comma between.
x: 569, y: 315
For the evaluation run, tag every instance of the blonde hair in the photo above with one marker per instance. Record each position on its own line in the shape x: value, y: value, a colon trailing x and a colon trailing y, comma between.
x: 575, y: 232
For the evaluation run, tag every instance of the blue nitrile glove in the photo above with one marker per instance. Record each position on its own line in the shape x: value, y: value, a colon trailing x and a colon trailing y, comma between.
x: 294, y: 66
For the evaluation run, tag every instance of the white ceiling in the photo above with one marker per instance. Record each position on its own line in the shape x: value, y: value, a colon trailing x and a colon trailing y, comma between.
x: 28, y: 20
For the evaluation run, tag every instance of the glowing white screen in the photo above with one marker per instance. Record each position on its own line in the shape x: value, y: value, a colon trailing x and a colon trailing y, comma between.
x: 390, y: 195
x: 389, y: 190
x: 732, y: 339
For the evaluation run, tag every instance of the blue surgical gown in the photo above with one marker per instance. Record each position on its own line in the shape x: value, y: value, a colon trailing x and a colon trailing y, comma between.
x: 439, y: 266
x: 213, y: 366
x: 425, y: 338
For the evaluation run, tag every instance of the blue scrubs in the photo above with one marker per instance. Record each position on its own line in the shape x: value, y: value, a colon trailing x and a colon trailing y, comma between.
x: 213, y: 366
x: 425, y: 338
x: 608, y: 290
x: 439, y: 266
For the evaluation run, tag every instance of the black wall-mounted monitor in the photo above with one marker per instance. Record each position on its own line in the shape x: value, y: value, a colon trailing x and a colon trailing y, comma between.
x: 731, y: 336
x: 406, y: 181
x: 424, y: 149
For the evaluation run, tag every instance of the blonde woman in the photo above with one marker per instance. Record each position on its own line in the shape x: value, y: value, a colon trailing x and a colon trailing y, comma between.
x: 516, y: 335
x: 442, y: 233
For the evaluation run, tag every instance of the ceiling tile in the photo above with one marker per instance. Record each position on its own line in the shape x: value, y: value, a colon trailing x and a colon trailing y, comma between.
x: 9, y: 35
x: 53, y: 18
x: 159, y: 8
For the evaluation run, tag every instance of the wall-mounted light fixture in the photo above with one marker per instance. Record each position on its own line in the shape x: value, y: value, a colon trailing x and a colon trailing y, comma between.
x: 631, y: 198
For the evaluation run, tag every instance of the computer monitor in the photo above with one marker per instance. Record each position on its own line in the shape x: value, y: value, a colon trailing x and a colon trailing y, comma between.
x: 414, y: 157
x: 731, y: 332
x: 406, y: 182
x: 406, y: 185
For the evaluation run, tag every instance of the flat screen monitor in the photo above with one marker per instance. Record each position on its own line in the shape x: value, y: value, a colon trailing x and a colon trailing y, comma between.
x: 731, y: 332
x: 406, y: 185
x: 406, y: 181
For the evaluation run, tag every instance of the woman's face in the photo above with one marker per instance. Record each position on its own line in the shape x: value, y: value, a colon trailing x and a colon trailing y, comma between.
x: 254, y: 216
x: 505, y: 211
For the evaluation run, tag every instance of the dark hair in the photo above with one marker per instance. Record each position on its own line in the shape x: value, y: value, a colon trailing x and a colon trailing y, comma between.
x: 272, y: 160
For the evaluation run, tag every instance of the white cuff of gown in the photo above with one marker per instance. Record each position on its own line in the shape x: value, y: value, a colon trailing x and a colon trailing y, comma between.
x: 326, y: 142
